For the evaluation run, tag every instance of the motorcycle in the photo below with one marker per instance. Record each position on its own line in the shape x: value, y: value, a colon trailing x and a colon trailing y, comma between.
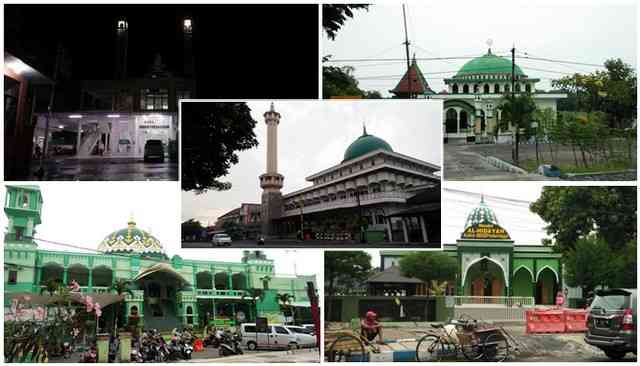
x: 230, y: 344
x: 67, y: 350
x: 261, y: 240
x: 90, y: 356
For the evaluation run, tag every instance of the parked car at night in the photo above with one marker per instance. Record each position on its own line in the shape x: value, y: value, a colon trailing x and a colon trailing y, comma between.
x: 221, y: 240
x: 153, y: 150
x: 611, y: 322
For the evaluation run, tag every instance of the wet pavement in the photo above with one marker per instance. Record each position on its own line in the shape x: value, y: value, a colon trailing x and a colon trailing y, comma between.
x: 105, y: 169
x: 312, y: 244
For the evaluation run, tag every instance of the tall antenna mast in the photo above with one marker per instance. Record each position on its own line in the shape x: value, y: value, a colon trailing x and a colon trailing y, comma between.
x: 406, y: 45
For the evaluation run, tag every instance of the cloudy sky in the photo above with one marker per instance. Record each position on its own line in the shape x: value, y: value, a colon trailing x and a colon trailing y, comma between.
x: 313, y: 136
x: 509, y: 200
x: 82, y: 214
x: 586, y: 31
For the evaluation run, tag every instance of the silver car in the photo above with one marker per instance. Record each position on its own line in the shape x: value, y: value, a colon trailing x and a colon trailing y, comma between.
x: 221, y: 240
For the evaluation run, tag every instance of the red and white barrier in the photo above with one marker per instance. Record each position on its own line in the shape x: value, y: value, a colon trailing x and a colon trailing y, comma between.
x: 556, y: 320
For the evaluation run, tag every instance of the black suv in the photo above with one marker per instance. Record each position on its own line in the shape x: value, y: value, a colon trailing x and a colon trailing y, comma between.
x: 612, y: 322
x: 154, y: 150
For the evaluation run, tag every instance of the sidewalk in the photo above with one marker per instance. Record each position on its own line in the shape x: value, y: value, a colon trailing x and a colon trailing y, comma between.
x: 293, y: 356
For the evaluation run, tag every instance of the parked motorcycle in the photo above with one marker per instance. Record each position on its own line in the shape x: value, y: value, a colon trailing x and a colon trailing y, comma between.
x: 230, y: 344
x: 90, y: 356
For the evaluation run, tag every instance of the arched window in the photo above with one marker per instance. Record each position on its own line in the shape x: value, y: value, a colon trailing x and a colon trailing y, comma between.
x: 476, y: 88
x: 455, y: 88
x: 451, y: 122
x: 486, y: 89
x: 496, y: 88
x: 517, y: 88
x: 465, y: 89
x: 527, y: 88
x: 507, y: 88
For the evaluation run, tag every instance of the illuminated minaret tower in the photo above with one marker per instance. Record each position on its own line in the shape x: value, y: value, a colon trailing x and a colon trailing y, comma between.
x: 187, y: 35
x: 122, y: 45
x: 271, y: 181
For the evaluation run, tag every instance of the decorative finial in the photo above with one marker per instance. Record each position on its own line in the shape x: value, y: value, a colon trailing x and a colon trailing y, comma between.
x: 414, y: 58
x: 364, y: 129
x: 273, y: 109
x: 481, y: 197
x: 131, y: 221
x: 489, y: 44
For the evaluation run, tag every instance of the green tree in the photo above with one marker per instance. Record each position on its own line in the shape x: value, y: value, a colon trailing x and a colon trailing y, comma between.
x: 517, y: 111
x: 335, y: 15
x: 572, y: 213
x: 613, y: 91
x: 213, y: 133
x: 343, y: 270
x: 285, y: 301
x: 233, y: 229
x: 121, y: 287
x: 592, y: 264
x: 433, y: 268
x: 191, y: 227
x: 253, y: 295
x: 340, y: 82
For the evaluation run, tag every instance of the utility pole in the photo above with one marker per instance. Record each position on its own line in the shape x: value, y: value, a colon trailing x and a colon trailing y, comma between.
x: 514, y: 151
x: 406, y: 45
x: 52, y: 97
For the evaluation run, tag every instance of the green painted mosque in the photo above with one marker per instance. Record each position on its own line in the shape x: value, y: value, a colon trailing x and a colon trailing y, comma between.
x: 166, y: 292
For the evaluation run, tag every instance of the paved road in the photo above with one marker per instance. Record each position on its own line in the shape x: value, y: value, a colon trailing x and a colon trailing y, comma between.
x: 294, y: 356
x: 461, y: 163
x: 312, y: 244
x: 111, y: 169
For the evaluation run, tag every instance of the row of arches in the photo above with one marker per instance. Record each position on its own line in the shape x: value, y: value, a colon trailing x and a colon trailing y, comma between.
x: 489, y: 89
x: 221, y: 281
x: 100, y: 275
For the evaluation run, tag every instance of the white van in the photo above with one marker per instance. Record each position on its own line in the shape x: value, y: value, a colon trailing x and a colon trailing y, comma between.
x: 304, y: 338
x: 276, y: 337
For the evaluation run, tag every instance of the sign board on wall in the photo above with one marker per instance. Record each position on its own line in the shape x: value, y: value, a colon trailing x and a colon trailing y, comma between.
x: 486, y: 231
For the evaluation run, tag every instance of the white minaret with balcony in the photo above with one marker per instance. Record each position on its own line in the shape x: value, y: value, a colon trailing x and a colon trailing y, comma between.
x: 271, y: 181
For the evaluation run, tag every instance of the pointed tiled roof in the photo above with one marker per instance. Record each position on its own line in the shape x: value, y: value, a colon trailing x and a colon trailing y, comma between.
x: 419, y: 84
x: 391, y: 275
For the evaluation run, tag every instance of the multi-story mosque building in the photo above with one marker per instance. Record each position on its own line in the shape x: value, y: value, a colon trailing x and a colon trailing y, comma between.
x: 473, y: 96
x: 166, y: 292
x: 375, y: 191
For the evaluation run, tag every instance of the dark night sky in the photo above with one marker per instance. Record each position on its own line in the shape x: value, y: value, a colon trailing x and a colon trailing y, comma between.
x: 242, y: 51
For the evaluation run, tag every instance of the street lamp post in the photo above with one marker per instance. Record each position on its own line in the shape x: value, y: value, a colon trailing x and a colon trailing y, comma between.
x: 360, y: 226
x: 534, y: 124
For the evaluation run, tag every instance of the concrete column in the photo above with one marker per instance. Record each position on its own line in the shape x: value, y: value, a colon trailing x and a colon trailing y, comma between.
x: 65, y: 275
x: 90, y: 283
x: 389, y: 232
x: 423, y: 227
x: 230, y: 280
x: 79, y: 134
x: 103, y: 348
x: 458, y: 121
x: 125, y: 346
x: 404, y: 230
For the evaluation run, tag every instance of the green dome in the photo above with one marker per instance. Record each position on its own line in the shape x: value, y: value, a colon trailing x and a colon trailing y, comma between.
x: 488, y: 64
x: 365, y: 144
x: 481, y: 215
x: 131, y: 240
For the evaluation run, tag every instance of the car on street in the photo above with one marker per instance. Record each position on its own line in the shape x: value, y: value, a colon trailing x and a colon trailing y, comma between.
x: 221, y: 240
x: 153, y: 150
x: 310, y: 327
x: 612, y: 322
x: 274, y: 336
x: 304, y: 336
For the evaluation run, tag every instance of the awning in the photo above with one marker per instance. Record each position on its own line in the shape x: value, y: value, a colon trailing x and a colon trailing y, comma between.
x: 160, y: 267
x: 418, y: 210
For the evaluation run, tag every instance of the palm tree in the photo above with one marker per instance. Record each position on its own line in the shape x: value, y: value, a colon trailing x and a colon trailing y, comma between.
x: 253, y: 295
x: 120, y: 286
x: 285, y: 301
x: 518, y: 110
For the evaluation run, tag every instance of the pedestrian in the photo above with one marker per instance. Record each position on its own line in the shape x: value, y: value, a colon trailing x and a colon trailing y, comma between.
x: 560, y: 299
x: 370, y: 328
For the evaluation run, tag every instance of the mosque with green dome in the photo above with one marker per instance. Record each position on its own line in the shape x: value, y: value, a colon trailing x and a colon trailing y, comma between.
x: 165, y: 292
x: 473, y: 95
x: 374, y: 194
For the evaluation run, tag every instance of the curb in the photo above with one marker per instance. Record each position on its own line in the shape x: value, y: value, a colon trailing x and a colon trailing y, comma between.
x: 503, y: 165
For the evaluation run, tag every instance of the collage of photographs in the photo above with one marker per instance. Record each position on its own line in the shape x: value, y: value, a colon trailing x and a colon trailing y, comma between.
x: 315, y: 182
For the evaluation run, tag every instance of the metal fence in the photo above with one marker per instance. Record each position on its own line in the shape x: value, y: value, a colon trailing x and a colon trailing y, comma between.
x: 492, y: 308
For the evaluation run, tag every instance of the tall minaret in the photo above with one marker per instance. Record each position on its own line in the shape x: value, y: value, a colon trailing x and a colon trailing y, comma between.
x: 122, y: 45
x: 187, y: 35
x: 271, y: 181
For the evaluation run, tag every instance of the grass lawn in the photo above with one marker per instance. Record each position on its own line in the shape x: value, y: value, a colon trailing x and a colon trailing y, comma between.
x: 531, y: 165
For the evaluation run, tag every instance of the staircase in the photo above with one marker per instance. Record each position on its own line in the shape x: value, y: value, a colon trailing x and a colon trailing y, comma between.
x: 90, y: 139
x: 160, y: 314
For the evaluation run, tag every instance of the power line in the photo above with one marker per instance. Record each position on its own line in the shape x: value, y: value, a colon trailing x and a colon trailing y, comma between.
x: 560, y: 61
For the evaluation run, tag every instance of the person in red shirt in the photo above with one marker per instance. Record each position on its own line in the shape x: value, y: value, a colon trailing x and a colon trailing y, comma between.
x: 370, y: 328
x: 560, y: 299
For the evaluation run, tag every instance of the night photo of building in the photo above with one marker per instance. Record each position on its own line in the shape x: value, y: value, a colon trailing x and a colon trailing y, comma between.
x: 86, y: 110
